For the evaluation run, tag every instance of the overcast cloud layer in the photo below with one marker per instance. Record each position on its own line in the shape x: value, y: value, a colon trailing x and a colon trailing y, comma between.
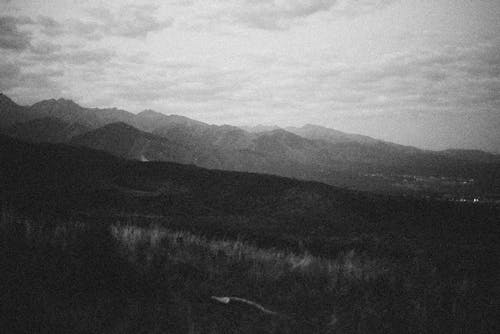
x: 424, y: 73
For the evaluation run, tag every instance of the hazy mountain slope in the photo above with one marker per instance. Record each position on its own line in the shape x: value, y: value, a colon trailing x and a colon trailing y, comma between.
x: 472, y: 155
x: 277, y: 152
x: 330, y: 135
x: 288, y: 146
x: 61, y: 109
x: 215, y: 147
x: 150, y: 121
x: 50, y: 130
x: 205, y: 146
x: 284, y: 147
x: 356, y: 148
x: 70, y: 112
x: 280, y: 152
x: 123, y: 140
x: 11, y: 113
x: 224, y: 136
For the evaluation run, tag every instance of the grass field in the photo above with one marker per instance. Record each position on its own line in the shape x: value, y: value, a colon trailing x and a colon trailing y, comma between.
x: 136, y: 277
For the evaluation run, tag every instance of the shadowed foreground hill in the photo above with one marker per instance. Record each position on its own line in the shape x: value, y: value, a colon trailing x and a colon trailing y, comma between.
x: 69, y: 181
x: 72, y: 179
x: 96, y: 243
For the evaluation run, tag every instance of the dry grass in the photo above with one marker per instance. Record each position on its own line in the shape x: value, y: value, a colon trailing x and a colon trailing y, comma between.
x: 303, y: 287
x: 151, y: 279
x: 269, y: 264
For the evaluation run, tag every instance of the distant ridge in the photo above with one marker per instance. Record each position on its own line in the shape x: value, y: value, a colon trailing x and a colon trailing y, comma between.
x: 310, y: 152
x: 123, y: 140
x: 70, y: 112
x: 260, y: 128
x: 311, y: 131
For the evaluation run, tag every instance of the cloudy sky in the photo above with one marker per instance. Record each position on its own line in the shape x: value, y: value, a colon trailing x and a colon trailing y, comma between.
x: 424, y: 73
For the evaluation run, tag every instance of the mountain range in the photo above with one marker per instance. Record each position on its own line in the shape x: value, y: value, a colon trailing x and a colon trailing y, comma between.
x: 301, y: 234
x: 68, y: 180
x: 310, y: 152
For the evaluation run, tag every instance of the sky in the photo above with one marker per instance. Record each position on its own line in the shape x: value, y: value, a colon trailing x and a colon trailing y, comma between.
x: 423, y: 73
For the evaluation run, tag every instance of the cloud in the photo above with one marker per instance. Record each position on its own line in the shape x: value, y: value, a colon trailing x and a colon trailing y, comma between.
x: 274, y: 14
x: 456, y: 80
x: 30, y: 85
x: 53, y: 54
x: 44, y: 48
x: 452, y: 78
x: 174, y: 84
x: 11, y: 37
x: 8, y: 74
x: 133, y: 21
x: 448, y: 79
x: 50, y: 26
x: 88, y: 30
x: 282, y: 14
x: 352, y: 8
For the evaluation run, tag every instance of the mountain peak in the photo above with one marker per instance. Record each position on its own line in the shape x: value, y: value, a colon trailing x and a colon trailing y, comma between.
x: 59, y: 102
x: 67, y: 102
x: 315, y: 127
x: 150, y: 113
x: 179, y: 119
x: 5, y: 100
x: 281, y: 133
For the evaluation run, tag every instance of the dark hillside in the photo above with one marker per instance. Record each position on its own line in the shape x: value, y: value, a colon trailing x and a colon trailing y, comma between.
x: 46, y: 130
x: 324, y: 257
x: 11, y: 113
x: 78, y: 179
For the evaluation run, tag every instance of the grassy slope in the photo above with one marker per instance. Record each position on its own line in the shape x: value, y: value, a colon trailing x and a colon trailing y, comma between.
x: 439, y: 256
x: 80, y: 277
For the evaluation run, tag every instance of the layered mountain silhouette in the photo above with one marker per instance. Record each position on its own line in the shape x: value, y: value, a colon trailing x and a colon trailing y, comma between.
x: 125, y: 141
x: 68, y: 180
x: 317, y: 132
x: 70, y: 112
x: 310, y: 152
